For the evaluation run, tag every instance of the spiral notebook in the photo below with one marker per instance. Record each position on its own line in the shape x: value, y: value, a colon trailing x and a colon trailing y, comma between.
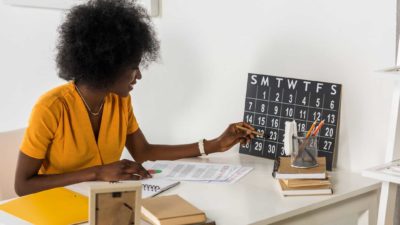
x: 154, y: 186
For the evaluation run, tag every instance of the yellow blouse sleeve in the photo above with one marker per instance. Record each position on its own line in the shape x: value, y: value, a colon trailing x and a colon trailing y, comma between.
x: 40, y: 132
x: 132, y: 122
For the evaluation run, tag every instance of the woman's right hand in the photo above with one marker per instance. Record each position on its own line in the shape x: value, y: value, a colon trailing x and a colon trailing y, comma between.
x: 122, y: 170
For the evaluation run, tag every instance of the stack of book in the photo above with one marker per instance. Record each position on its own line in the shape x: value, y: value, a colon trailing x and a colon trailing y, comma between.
x: 302, y: 181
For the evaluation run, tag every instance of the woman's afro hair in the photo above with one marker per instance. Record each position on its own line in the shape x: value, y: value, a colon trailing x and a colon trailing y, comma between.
x: 101, y: 38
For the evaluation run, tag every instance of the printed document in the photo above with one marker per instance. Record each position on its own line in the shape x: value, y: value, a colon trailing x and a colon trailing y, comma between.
x: 189, y: 171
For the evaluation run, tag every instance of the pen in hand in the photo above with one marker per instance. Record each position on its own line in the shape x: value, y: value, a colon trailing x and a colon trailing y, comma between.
x: 252, y: 131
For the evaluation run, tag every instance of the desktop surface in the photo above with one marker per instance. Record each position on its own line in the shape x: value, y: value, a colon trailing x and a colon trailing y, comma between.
x: 256, y: 198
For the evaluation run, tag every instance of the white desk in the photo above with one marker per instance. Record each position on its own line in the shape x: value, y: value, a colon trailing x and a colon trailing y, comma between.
x: 256, y: 198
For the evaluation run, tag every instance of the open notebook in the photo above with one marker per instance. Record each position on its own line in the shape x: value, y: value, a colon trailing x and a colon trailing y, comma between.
x: 154, y: 186
x: 150, y: 187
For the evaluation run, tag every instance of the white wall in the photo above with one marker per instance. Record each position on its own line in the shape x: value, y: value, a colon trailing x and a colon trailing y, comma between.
x: 27, y: 68
x: 209, y: 46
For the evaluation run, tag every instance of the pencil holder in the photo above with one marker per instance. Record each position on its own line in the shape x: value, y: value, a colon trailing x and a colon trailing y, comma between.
x: 305, y: 151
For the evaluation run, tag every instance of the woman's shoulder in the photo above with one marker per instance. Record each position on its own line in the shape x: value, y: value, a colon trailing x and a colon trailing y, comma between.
x: 122, y: 100
x: 56, y: 96
x: 123, y: 103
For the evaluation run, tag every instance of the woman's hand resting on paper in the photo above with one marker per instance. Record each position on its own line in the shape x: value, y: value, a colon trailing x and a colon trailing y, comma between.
x: 121, y: 170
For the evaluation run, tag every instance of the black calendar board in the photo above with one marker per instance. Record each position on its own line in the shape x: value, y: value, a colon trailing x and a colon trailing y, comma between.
x: 271, y: 101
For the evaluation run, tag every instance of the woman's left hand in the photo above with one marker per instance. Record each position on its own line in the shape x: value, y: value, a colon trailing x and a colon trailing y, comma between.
x: 231, y: 136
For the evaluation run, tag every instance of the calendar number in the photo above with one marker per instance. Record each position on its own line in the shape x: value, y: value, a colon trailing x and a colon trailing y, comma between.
x: 332, y: 104
x: 290, y: 98
x: 275, y: 123
x: 302, y: 114
x: 327, y: 145
x: 317, y: 116
x: 328, y: 132
x: 264, y: 95
x: 289, y: 112
x: 276, y: 110
x: 330, y: 118
x: 250, y: 106
x: 277, y: 97
x: 273, y: 135
x: 263, y: 107
x: 261, y: 120
x: 258, y: 146
x: 318, y: 102
x: 282, y: 151
x: 260, y: 131
x: 271, y: 149
x: 301, y: 127
x: 304, y: 101
x: 249, y: 119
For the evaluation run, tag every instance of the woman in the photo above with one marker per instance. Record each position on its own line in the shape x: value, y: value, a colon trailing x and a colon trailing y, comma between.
x: 77, y: 131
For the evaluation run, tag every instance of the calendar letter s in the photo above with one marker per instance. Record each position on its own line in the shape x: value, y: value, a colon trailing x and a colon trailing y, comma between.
x: 333, y: 88
x: 253, y: 79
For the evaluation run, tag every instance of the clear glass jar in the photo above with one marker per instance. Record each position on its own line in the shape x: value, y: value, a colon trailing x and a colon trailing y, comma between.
x: 305, y: 151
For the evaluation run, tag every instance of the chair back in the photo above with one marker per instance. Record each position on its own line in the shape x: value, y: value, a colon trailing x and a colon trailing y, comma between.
x: 9, y: 150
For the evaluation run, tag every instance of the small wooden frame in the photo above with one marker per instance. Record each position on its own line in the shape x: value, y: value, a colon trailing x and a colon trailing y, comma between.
x: 115, y: 203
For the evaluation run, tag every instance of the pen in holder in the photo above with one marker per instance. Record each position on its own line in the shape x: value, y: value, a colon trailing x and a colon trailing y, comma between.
x: 305, y: 151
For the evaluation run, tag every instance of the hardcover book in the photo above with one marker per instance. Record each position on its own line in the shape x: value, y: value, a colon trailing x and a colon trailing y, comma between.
x: 286, y: 171
x: 171, y: 210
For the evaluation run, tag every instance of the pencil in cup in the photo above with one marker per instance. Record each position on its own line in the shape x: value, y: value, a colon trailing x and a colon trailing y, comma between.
x: 318, y: 128
x: 311, y: 128
x: 252, y: 131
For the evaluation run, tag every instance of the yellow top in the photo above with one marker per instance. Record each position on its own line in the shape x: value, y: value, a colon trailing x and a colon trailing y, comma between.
x: 60, y: 131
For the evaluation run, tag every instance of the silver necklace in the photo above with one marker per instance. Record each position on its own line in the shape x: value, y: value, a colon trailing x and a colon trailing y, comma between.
x: 87, y: 105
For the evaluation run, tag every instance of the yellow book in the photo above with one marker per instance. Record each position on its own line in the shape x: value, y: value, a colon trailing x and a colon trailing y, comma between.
x: 315, y: 190
x: 58, y: 206
x: 297, y: 183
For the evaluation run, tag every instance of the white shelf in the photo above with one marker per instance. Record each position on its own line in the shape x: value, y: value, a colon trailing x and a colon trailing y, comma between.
x: 379, y: 173
x: 394, y: 69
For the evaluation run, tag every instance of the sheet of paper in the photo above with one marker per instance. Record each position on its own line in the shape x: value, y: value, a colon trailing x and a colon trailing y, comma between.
x: 233, y: 178
x: 188, y: 171
x: 238, y: 174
